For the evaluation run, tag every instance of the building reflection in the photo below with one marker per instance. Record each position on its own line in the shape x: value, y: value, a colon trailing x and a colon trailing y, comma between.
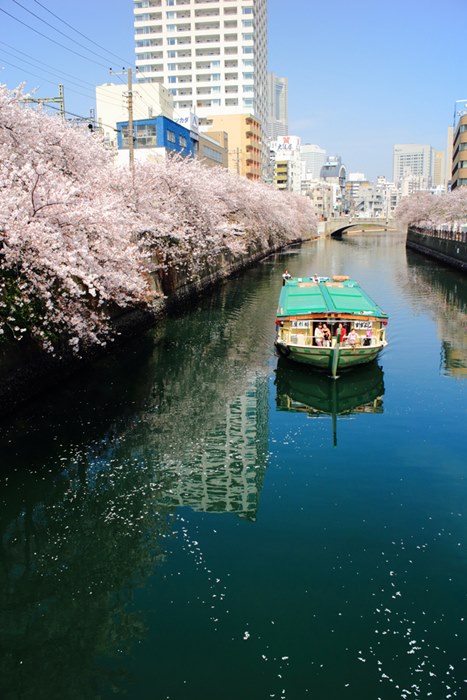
x: 358, y: 391
x: 444, y: 293
x: 226, y: 473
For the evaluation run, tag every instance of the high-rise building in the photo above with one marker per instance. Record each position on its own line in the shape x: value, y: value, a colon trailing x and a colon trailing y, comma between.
x: 313, y: 158
x: 278, y: 119
x: 412, y: 160
x: 459, y: 154
x: 210, y: 54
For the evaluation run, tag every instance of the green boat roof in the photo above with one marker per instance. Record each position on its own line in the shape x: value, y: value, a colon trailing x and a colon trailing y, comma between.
x: 302, y: 296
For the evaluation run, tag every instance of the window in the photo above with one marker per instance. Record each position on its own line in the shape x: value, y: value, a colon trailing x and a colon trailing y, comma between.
x: 171, y: 54
x: 171, y: 41
x: 247, y: 10
x: 144, y: 136
x: 216, y: 76
x: 247, y: 37
x: 247, y: 49
x: 171, y: 15
x: 210, y: 153
x: 247, y: 22
x: 171, y: 136
x: 248, y: 76
x: 171, y: 66
x: 172, y: 78
x: 171, y: 27
x: 183, y: 142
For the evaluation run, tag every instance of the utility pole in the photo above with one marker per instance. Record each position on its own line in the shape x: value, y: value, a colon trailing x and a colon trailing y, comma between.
x: 131, y: 144
x: 129, y: 98
x: 47, y: 100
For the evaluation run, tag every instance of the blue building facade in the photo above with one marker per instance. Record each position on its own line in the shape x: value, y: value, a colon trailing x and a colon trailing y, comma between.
x: 158, y: 132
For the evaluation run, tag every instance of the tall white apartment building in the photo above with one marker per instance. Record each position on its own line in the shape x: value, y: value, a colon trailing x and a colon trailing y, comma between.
x: 210, y: 54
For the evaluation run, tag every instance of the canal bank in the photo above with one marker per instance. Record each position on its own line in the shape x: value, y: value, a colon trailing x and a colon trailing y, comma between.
x: 26, y: 371
x: 448, y: 246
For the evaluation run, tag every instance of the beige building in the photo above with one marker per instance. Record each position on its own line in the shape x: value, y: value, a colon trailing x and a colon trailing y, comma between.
x: 459, y: 154
x: 438, y: 169
x: 213, y: 148
x: 244, y: 140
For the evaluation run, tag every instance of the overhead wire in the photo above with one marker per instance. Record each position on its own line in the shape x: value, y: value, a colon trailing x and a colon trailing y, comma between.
x: 139, y: 84
x: 67, y: 36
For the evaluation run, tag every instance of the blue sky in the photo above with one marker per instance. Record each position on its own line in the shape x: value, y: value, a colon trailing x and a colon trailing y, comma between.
x: 362, y: 75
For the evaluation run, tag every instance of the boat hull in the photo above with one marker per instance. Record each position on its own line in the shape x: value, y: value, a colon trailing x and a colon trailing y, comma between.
x: 321, y: 357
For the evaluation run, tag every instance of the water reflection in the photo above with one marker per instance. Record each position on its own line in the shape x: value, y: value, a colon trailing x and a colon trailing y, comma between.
x: 443, y: 292
x: 302, y: 390
x: 92, y: 476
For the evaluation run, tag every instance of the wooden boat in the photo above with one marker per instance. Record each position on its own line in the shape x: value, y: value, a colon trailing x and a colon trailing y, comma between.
x: 357, y: 324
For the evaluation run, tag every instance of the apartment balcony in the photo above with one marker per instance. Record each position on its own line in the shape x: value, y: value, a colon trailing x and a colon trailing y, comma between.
x: 230, y: 64
x: 147, y: 30
x: 141, y: 15
x: 231, y: 102
x: 230, y: 50
x: 211, y: 12
x: 231, y: 90
x: 207, y: 39
x: 231, y: 76
x: 207, y: 26
x: 208, y: 51
x: 230, y: 24
x: 230, y: 37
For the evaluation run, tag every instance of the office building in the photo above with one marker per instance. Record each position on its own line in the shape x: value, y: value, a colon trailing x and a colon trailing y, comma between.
x: 277, y: 120
x: 287, y: 163
x: 413, y: 161
x: 313, y: 158
x: 459, y: 154
x: 210, y: 54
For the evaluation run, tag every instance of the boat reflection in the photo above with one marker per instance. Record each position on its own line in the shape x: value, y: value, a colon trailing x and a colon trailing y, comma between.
x: 299, y: 389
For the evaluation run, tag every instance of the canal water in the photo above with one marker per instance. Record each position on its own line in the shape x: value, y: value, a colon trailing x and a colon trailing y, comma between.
x: 192, y: 519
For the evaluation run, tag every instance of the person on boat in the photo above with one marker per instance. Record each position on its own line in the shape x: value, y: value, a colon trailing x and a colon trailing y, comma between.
x: 368, y: 336
x: 319, y: 335
x: 326, y: 336
x: 315, y: 278
x: 353, y: 337
x: 342, y: 330
x: 286, y: 276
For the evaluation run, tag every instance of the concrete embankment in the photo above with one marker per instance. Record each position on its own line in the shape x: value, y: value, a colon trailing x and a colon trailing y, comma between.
x: 26, y: 371
x: 448, y: 246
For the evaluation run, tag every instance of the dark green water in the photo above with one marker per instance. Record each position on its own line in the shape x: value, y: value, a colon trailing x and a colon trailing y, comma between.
x: 189, y: 521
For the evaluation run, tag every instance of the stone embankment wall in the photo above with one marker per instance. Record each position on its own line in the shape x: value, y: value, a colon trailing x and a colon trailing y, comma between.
x: 26, y: 372
x: 448, y: 246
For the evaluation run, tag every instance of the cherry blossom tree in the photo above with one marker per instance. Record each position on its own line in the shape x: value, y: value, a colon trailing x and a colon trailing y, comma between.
x: 79, y: 235
x: 66, y: 249
x: 431, y: 211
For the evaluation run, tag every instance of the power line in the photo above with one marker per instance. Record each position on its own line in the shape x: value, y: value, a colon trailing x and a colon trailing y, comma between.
x: 67, y: 36
x: 52, y: 40
x: 81, y: 34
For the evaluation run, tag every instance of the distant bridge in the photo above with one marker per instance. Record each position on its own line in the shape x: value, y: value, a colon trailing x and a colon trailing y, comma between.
x: 337, y: 227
